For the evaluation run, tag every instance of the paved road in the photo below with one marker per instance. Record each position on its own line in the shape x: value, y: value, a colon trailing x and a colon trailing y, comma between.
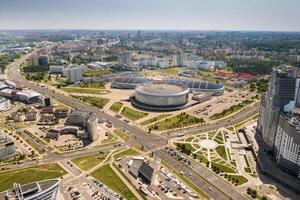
x: 150, y: 141
x: 213, y: 185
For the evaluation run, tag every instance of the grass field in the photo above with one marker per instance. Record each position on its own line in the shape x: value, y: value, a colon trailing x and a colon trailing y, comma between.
x: 92, y: 73
x: 177, y: 121
x: 121, y: 134
x: 89, y: 85
x: 116, y: 107
x: 94, y: 101
x: 222, y: 152
x: 31, y: 174
x: 154, y: 119
x: 128, y: 152
x: 84, y: 90
x: 223, y: 168
x: 88, y: 162
x: 107, y: 176
x: 171, y: 70
x: 133, y: 114
x: 241, y: 179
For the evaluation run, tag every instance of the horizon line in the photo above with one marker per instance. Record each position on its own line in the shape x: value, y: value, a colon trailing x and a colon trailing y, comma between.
x: 174, y: 30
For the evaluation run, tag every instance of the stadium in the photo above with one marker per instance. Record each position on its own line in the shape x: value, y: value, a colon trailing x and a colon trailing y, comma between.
x: 160, y: 96
x: 195, y: 86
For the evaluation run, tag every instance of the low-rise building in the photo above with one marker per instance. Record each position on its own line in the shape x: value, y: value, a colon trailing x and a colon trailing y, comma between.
x: 46, y: 189
x: 31, y: 115
x: 7, y: 147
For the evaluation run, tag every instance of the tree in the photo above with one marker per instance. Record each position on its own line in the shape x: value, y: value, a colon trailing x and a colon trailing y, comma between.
x: 249, y: 190
x: 264, y: 198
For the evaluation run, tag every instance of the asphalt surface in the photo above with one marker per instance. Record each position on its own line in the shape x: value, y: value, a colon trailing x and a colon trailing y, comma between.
x: 149, y: 141
x: 203, y: 178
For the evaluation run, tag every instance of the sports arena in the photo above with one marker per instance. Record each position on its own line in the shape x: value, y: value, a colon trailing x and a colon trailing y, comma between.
x: 196, y: 86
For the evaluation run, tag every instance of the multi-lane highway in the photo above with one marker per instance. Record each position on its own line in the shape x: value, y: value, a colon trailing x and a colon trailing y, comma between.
x: 150, y: 141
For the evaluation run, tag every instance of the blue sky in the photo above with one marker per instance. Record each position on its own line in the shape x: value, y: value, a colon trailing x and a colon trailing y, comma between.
x: 272, y: 15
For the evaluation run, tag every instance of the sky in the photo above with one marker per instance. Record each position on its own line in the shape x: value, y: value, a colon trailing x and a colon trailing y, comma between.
x: 256, y: 15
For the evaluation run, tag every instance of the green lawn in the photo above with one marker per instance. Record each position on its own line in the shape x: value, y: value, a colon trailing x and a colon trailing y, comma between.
x: 92, y: 73
x: 110, y: 138
x: 222, y: 152
x: 223, y: 168
x: 88, y: 162
x: 154, y: 119
x: 241, y: 179
x: 171, y: 70
x: 128, y: 152
x: 116, y: 107
x: 107, y: 176
x: 84, y: 90
x: 231, y: 110
x: 94, y: 101
x: 132, y: 114
x: 121, y: 134
x: 177, y: 121
x: 31, y: 174
x: 89, y: 85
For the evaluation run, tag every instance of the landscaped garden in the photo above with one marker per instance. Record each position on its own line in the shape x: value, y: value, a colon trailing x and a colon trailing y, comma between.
x: 178, y: 121
x: 116, y: 107
x: 209, y: 149
x: 132, y: 114
x: 154, y: 119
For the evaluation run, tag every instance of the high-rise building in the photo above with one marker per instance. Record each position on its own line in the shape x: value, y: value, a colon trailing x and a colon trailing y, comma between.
x: 74, y: 74
x: 125, y: 58
x: 280, y: 98
x: 279, y: 121
x: 181, y: 59
x: 287, y: 143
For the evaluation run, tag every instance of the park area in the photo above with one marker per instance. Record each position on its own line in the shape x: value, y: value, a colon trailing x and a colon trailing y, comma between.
x: 211, y: 150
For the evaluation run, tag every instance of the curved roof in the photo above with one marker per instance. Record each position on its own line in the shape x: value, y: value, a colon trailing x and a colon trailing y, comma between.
x: 192, y: 84
x: 161, y: 89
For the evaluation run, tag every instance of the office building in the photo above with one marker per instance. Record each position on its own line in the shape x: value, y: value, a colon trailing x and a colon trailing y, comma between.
x: 279, y: 98
x: 74, y: 74
x: 58, y: 69
x: 92, y: 127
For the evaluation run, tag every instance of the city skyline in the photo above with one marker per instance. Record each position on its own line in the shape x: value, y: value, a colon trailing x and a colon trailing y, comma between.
x: 154, y: 15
